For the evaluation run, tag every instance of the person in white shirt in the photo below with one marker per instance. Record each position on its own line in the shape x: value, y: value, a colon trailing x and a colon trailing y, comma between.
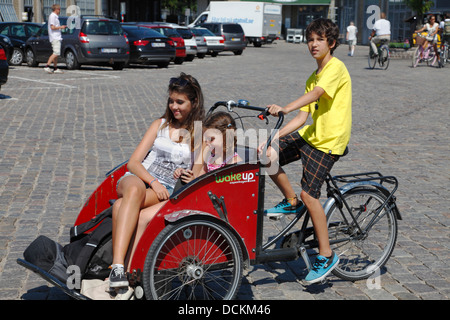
x: 432, y: 28
x: 55, y: 38
x: 352, y: 30
x: 381, y: 31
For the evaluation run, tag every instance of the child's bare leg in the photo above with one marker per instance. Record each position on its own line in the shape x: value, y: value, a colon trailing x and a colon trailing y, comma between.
x: 281, y: 180
x: 319, y: 221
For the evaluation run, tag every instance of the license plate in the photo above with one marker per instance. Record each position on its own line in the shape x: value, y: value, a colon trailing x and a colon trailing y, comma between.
x: 109, y: 50
x: 235, y: 39
x: 213, y: 42
x: 158, y: 44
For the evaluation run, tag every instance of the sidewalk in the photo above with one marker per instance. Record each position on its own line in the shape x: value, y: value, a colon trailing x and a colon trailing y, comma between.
x: 59, y: 135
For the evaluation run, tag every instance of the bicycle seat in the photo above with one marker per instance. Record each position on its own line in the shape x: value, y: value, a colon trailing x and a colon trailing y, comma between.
x: 345, y: 151
x: 384, y: 41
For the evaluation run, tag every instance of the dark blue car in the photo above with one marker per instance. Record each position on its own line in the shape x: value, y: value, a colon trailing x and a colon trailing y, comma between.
x: 4, y: 67
x: 149, y: 47
x: 18, y: 33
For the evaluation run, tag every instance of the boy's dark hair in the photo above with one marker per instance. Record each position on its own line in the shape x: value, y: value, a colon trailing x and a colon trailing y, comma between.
x: 325, y: 28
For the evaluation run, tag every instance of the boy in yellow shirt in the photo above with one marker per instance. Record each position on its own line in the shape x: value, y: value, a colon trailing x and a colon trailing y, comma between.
x: 328, y: 98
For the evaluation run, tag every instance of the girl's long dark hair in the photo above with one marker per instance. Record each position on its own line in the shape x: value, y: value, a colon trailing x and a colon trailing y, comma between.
x: 188, y: 85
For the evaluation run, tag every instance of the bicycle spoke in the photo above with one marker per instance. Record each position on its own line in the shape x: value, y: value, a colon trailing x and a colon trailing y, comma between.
x: 197, y: 260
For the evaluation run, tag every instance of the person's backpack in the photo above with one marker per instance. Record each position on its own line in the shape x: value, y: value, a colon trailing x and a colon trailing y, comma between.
x: 47, y: 255
x: 447, y: 27
x: 90, y: 249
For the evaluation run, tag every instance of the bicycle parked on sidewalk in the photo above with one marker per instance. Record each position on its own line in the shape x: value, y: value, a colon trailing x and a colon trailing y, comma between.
x: 422, y: 54
x: 383, y: 57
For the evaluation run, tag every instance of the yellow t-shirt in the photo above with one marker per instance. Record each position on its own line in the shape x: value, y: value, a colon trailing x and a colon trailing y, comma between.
x: 332, y: 118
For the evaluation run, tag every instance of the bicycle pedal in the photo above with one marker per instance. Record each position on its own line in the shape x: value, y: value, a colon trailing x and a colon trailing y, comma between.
x: 275, y: 217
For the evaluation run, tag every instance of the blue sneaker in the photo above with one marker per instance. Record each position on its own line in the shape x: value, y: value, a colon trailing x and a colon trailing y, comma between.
x: 283, y: 207
x: 321, y: 268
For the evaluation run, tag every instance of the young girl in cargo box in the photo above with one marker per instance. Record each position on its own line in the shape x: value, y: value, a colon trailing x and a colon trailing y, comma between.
x: 150, y: 177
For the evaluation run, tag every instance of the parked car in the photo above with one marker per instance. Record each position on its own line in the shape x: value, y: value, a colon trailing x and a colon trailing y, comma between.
x: 172, y: 34
x: 208, y: 41
x: 148, y: 46
x: 4, y: 67
x: 6, y: 43
x: 18, y: 33
x: 189, y: 42
x: 232, y: 33
x: 90, y: 40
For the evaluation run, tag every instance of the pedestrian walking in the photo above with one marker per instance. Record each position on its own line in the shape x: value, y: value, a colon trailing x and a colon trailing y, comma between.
x: 352, y: 30
x: 55, y: 38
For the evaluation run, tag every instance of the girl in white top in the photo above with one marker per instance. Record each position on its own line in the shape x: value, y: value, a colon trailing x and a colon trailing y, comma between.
x: 432, y: 27
x: 150, y: 179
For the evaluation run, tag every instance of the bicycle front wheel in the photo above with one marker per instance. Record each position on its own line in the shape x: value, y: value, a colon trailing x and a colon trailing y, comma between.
x: 193, y: 260
x: 365, y: 249
x: 432, y: 56
x: 416, y: 56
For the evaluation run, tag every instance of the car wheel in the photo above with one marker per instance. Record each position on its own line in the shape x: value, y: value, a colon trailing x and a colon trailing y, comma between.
x: 31, y: 59
x: 17, y: 57
x: 71, y: 61
x: 200, y: 55
x: 163, y: 64
x: 179, y: 60
x: 238, y: 52
x: 118, y: 65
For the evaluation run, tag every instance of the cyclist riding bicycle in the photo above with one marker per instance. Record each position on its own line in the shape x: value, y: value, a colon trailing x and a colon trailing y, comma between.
x: 381, y: 32
x: 444, y: 27
x: 432, y: 29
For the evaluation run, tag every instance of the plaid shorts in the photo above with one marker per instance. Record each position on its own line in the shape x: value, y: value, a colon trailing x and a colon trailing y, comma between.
x: 316, y: 164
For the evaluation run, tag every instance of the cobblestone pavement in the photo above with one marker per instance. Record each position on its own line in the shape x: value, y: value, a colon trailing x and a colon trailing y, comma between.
x: 59, y: 135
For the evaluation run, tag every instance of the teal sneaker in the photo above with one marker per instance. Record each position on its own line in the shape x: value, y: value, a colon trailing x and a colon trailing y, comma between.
x: 283, y: 207
x: 321, y: 268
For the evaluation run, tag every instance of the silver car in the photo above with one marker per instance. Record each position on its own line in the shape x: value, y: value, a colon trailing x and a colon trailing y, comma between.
x: 90, y: 40
x: 232, y: 33
x: 189, y: 42
x: 208, y: 42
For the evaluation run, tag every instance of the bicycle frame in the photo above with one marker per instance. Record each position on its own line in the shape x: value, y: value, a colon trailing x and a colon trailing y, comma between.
x: 335, y: 194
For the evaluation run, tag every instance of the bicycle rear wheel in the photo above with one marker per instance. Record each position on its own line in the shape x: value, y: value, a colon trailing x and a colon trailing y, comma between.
x: 444, y: 55
x: 193, y: 260
x: 416, y: 56
x: 361, y: 254
x: 372, y: 59
x: 384, y: 57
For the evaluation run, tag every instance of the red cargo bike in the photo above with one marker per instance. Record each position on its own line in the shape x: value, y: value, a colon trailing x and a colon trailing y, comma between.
x: 198, y: 244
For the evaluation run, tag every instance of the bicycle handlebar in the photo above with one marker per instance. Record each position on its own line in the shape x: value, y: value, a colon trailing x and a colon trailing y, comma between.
x: 244, y: 104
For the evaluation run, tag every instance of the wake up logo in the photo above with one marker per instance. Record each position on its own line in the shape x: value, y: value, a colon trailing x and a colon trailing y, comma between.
x: 236, y: 178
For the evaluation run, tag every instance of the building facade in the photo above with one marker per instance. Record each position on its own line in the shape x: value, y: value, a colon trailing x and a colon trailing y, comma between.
x: 296, y: 13
x: 39, y: 10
